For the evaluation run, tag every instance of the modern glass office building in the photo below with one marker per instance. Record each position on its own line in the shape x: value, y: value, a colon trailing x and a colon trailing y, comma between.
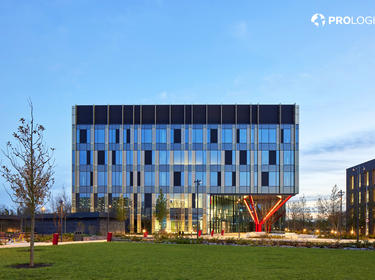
x: 245, y: 157
x: 360, y: 198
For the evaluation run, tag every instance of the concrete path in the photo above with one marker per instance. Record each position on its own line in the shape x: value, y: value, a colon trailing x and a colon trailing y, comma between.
x: 27, y: 244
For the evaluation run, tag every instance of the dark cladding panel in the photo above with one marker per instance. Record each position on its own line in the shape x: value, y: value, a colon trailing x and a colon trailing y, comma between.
x: 243, y: 114
x: 162, y: 114
x: 188, y: 114
x: 229, y: 114
x: 254, y: 114
x: 287, y: 114
x: 177, y: 114
x: 268, y: 114
x: 214, y: 114
x: 84, y: 114
x: 128, y: 114
x: 115, y: 114
x: 101, y: 114
x: 148, y: 114
x: 199, y: 114
x: 137, y: 114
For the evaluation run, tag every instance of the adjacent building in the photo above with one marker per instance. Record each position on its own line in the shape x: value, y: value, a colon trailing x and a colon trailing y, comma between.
x: 221, y: 167
x: 360, y: 198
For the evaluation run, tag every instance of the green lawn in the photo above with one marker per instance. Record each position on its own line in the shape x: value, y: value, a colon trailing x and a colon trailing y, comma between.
x: 122, y: 260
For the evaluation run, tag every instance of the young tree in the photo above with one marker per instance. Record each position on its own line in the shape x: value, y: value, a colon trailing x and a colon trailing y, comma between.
x: 161, y: 208
x: 29, y: 171
x: 122, y: 210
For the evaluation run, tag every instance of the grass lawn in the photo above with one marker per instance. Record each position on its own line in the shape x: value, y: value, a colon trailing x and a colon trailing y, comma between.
x: 123, y: 260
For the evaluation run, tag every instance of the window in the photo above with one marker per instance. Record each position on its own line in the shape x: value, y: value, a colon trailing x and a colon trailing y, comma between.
x: 268, y: 135
x: 252, y: 135
x: 215, y: 157
x: 99, y: 135
x: 149, y: 178
x: 241, y: 135
x: 164, y: 157
x: 288, y: 179
x: 244, y: 179
x: 116, y: 157
x: 176, y: 179
x: 352, y: 198
x: 213, y: 178
x: 129, y: 157
x: 148, y: 158
x: 265, y: 179
x: 161, y: 135
x: 273, y: 158
x: 84, y: 178
x: 288, y: 157
x: 102, y: 178
x: 127, y: 135
x: 273, y: 179
x: 200, y: 157
x: 212, y: 137
x: 178, y: 157
x: 243, y: 157
x: 265, y: 157
x: 187, y: 135
x: 117, y: 178
x: 135, y: 135
x: 230, y: 179
x: 352, y: 182
x: 85, y: 157
x: 163, y: 179
x: 146, y: 135
x: 129, y: 179
x: 367, y: 178
x: 255, y: 178
x: 84, y: 136
x: 114, y: 135
x: 197, y: 135
x: 201, y: 176
x: 227, y: 135
x: 176, y: 135
x: 102, y: 157
x: 286, y: 135
x: 373, y: 177
x: 228, y: 157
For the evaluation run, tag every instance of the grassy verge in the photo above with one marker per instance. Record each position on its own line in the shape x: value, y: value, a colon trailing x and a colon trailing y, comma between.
x: 125, y: 260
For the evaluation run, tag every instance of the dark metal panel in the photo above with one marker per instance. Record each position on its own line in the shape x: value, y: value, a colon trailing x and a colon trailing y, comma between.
x: 287, y: 114
x: 243, y: 114
x: 101, y: 114
x: 148, y: 114
x: 188, y: 119
x: 199, y: 114
x: 162, y: 114
x: 214, y: 114
x: 268, y: 114
x: 115, y: 114
x: 254, y: 112
x: 128, y: 114
x: 229, y: 116
x: 137, y: 114
x: 177, y: 114
x: 84, y: 114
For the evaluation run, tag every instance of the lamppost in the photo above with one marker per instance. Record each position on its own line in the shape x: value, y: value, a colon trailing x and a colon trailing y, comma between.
x: 197, y: 183
x: 239, y: 215
x: 43, y: 209
x: 109, y: 208
x: 340, y: 193
x: 358, y: 169
x: 61, y: 214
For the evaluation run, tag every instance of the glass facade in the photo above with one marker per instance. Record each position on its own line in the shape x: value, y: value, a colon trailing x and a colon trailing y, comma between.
x: 136, y: 160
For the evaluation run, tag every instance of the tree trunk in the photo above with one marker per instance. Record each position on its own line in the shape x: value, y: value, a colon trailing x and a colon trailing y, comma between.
x: 32, y: 239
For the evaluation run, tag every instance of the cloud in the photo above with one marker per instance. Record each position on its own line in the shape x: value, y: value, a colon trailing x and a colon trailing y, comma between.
x: 354, y: 141
x: 163, y: 95
x: 240, y: 30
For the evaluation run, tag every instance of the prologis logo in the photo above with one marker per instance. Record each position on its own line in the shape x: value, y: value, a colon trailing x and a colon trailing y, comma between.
x: 318, y: 20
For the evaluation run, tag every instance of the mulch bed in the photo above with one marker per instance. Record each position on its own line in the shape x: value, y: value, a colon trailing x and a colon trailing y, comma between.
x: 27, y: 265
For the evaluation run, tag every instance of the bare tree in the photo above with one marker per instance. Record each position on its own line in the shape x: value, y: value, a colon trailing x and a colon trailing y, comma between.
x: 29, y: 171
x: 329, y: 209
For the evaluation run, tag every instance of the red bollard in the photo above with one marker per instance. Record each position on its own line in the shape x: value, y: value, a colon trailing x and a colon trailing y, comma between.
x: 55, y: 239
x: 222, y: 232
x: 199, y: 233
x: 212, y: 233
x: 109, y: 236
x: 145, y: 233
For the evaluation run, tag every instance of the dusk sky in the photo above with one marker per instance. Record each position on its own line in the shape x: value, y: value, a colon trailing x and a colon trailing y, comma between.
x: 62, y: 53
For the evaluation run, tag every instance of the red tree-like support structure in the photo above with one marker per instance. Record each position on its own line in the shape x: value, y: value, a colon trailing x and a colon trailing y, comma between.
x: 250, y: 205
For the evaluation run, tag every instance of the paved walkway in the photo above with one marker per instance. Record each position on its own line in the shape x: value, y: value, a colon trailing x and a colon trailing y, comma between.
x: 27, y: 244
